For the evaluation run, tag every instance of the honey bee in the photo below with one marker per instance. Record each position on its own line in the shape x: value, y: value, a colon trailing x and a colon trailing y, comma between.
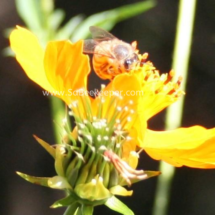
x: 111, y: 56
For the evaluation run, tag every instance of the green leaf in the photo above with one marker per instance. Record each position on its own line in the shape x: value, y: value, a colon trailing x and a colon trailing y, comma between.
x: 47, y: 6
x: 31, y: 13
x: 7, y: 52
x: 66, y: 31
x: 109, y: 18
x: 116, y: 205
x: 69, y: 200
x: 46, y: 146
x: 56, y: 18
x: 43, y: 181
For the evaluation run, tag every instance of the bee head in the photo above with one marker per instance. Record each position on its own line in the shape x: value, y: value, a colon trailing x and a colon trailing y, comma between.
x: 130, y: 61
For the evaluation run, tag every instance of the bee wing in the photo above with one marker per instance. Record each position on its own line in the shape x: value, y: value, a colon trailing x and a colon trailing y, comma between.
x: 89, y: 46
x: 100, y: 34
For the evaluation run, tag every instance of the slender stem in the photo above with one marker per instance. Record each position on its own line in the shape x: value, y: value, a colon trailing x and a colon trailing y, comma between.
x: 58, y: 114
x: 174, y: 113
x: 56, y: 105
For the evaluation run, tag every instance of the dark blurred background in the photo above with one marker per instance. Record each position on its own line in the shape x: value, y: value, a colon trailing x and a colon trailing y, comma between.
x: 24, y: 111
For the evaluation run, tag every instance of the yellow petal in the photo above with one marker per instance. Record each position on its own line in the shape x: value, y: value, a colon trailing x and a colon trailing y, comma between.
x: 193, y: 146
x: 158, y: 90
x: 30, y: 54
x: 66, y: 68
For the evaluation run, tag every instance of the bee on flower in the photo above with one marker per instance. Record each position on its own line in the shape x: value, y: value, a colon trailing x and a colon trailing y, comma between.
x: 111, y: 56
x: 100, y: 154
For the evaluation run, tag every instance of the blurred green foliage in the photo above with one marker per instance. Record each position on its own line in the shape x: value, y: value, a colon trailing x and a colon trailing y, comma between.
x: 46, y: 22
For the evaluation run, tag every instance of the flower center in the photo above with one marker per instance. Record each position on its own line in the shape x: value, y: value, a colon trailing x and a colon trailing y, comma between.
x: 99, y: 135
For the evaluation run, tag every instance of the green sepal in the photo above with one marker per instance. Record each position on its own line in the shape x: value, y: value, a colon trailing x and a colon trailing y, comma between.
x: 46, y: 146
x: 73, y: 209
x: 84, y: 172
x: 71, y: 138
x: 59, y: 182
x: 43, y: 181
x: 67, y: 201
x: 116, y: 205
x: 63, y: 155
x: 87, y: 210
x: 120, y: 191
x: 71, y: 166
x: 113, y: 180
x: 73, y: 176
x: 93, y: 191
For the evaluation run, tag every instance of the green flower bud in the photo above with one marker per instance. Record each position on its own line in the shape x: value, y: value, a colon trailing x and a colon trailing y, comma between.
x: 89, y: 165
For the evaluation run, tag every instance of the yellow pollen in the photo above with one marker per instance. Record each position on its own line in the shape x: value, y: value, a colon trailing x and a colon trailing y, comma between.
x: 74, y: 104
x: 80, y: 132
x: 93, y: 148
x: 128, y: 138
x: 102, y: 86
x: 103, y: 148
x: 118, y: 121
x: 93, y: 181
x: 113, y: 139
x: 106, y: 138
x: 119, y: 108
x: 89, y: 137
x: 62, y: 150
x: 132, y: 111
x: 131, y: 102
x: 64, y: 120
x: 82, y: 126
x: 129, y: 119
x: 99, y: 138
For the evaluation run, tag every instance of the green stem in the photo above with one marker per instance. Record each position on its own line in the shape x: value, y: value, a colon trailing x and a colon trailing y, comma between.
x: 72, y: 209
x: 174, y: 113
x: 58, y: 114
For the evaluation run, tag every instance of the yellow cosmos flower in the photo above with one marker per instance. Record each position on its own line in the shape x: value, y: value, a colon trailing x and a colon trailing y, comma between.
x: 102, y: 152
x: 63, y: 67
